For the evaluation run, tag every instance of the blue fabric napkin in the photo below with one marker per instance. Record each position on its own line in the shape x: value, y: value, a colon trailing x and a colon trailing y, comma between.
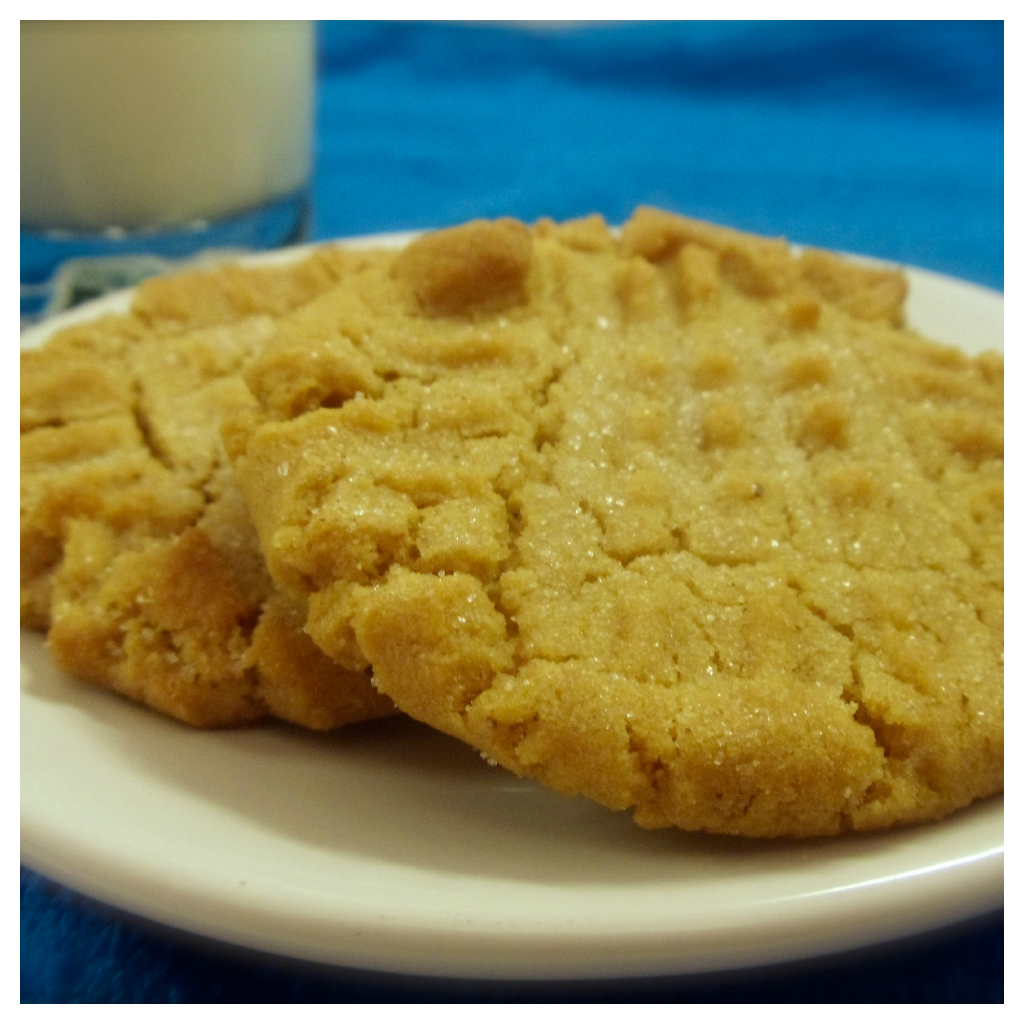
x: 878, y: 138
x: 884, y: 139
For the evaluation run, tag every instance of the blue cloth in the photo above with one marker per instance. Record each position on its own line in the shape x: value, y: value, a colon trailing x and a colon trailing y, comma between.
x: 884, y: 139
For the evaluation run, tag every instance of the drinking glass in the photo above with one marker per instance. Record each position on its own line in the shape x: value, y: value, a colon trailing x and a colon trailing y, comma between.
x: 144, y: 141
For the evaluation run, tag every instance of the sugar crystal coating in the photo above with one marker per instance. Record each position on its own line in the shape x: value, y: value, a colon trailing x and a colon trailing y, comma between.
x: 677, y: 520
x: 137, y: 551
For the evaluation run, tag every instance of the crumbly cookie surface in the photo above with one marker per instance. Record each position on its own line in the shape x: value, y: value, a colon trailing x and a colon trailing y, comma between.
x: 678, y: 521
x: 138, y: 554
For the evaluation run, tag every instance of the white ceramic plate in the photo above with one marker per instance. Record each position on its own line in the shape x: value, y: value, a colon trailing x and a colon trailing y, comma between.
x: 389, y: 847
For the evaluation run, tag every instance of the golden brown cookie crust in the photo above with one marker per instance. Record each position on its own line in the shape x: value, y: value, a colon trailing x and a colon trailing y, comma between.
x: 679, y: 521
x: 138, y: 554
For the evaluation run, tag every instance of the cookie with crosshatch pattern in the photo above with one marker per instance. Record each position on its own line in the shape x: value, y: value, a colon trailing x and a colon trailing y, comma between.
x: 677, y: 519
x: 138, y: 556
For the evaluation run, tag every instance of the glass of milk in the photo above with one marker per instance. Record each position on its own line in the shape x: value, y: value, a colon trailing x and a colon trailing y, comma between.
x: 163, y: 138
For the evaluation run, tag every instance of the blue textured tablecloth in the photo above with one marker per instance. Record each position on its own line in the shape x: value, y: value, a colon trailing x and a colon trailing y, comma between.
x: 884, y: 139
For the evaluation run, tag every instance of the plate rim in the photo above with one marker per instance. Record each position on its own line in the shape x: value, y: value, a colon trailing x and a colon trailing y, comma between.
x: 861, y: 917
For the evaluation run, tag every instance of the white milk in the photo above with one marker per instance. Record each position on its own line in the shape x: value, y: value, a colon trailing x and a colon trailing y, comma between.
x: 161, y: 123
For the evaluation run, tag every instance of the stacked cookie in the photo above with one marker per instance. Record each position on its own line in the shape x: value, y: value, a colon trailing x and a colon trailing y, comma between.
x: 138, y: 555
x: 675, y: 519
